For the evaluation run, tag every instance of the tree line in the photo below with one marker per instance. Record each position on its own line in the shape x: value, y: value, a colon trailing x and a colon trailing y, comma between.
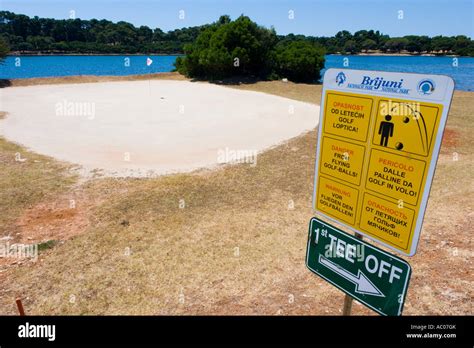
x: 47, y: 35
x: 372, y: 41
x: 26, y: 34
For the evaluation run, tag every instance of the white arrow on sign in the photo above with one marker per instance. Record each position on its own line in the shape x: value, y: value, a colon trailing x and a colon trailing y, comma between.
x: 363, y: 284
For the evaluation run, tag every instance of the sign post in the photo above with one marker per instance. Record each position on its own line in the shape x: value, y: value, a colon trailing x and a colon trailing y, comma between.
x: 347, y: 307
x: 364, y: 272
x: 378, y: 143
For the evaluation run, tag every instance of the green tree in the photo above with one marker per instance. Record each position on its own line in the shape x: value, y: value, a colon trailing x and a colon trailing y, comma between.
x: 145, y: 34
x: 229, y: 48
x: 4, y: 49
x: 351, y: 47
x: 463, y: 46
x: 413, y: 44
x: 368, y: 44
x: 360, y: 36
x: 342, y: 37
x: 40, y: 43
x: 442, y: 44
x: 425, y: 43
x: 396, y: 44
x: 299, y: 61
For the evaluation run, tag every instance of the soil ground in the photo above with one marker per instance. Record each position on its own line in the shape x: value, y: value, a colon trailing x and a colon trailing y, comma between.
x: 224, y: 241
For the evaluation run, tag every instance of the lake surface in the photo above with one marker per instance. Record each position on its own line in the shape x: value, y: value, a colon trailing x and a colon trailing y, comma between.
x: 49, y: 66
x: 463, y: 74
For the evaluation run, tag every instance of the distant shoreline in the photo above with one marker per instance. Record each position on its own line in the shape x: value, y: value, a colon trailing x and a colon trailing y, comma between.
x: 396, y: 55
x: 91, y: 54
x: 378, y: 54
x: 401, y: 54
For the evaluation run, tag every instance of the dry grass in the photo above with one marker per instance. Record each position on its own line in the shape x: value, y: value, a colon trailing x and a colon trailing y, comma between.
x: 26, y: 178
x: 91, y: 78
x: 238, y: 246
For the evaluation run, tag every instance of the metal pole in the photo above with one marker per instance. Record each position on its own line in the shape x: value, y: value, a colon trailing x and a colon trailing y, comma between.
x: 346, y: 309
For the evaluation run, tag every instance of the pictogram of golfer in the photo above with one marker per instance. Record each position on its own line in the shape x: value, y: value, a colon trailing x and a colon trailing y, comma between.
x: 386, y: 130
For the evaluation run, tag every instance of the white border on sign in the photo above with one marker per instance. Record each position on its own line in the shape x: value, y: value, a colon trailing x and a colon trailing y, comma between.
x: 405, y: 286
x: 443, y: 97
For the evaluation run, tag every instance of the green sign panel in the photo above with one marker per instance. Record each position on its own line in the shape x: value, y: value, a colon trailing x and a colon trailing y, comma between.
x: 370, y: 275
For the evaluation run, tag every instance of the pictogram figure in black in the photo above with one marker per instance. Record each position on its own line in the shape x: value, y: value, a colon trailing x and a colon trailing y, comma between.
x: 386, y: 130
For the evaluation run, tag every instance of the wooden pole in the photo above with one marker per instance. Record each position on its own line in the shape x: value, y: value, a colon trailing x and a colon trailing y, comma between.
x: 20, y: 307
x: 346, y: 310
x: 347, y: 307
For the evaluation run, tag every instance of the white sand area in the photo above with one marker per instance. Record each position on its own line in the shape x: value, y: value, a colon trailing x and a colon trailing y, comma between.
x: 145, y: 128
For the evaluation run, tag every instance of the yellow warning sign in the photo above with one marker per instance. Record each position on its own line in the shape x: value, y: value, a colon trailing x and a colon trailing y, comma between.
x: 395, y: 176
x: 378, y: 143
x: 390, y: 222
x: 347, y: 116
x: 406, y: 126
x: 337, y: 200
x: 342, y: 160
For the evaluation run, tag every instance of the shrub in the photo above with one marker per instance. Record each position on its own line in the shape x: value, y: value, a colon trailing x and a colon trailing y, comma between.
x: 4, y: 49
x: 242, y: 48
x: 299, y: 61
x: 229, y: 48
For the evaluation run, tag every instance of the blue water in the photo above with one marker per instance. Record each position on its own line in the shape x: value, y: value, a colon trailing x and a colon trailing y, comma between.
x: 48, y: 66
x: 463, y: 74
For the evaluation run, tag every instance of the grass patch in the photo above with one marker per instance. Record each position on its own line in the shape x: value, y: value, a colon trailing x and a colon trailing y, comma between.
x: 27, y: 178
x: 47, y: 245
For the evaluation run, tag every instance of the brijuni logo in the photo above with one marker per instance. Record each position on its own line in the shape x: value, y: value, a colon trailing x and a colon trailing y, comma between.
x: 378, y: 82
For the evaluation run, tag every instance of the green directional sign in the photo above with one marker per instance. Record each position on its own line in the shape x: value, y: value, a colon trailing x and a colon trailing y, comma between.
x: 370, y: 275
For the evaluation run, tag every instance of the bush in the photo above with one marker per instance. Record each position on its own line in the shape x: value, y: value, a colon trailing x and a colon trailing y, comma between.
x: 229, y: 48
x: 4, y: 49
x: 368, y: 44
x: 351, y: 47
x: 396, y: 44
x: 242, y: 48
x: 299, y: 61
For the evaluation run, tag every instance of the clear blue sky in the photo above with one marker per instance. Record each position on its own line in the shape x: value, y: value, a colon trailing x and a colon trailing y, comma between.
x: 312, y: 17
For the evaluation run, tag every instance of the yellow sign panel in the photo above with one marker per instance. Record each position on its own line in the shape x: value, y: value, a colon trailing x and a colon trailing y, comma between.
x: 342, y: 160
x: 395, y: 176
x: 347, y: 116
x: 390, y: 222
x: 337, y: 200
x: 376, y: 144
x: 406, y: 126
